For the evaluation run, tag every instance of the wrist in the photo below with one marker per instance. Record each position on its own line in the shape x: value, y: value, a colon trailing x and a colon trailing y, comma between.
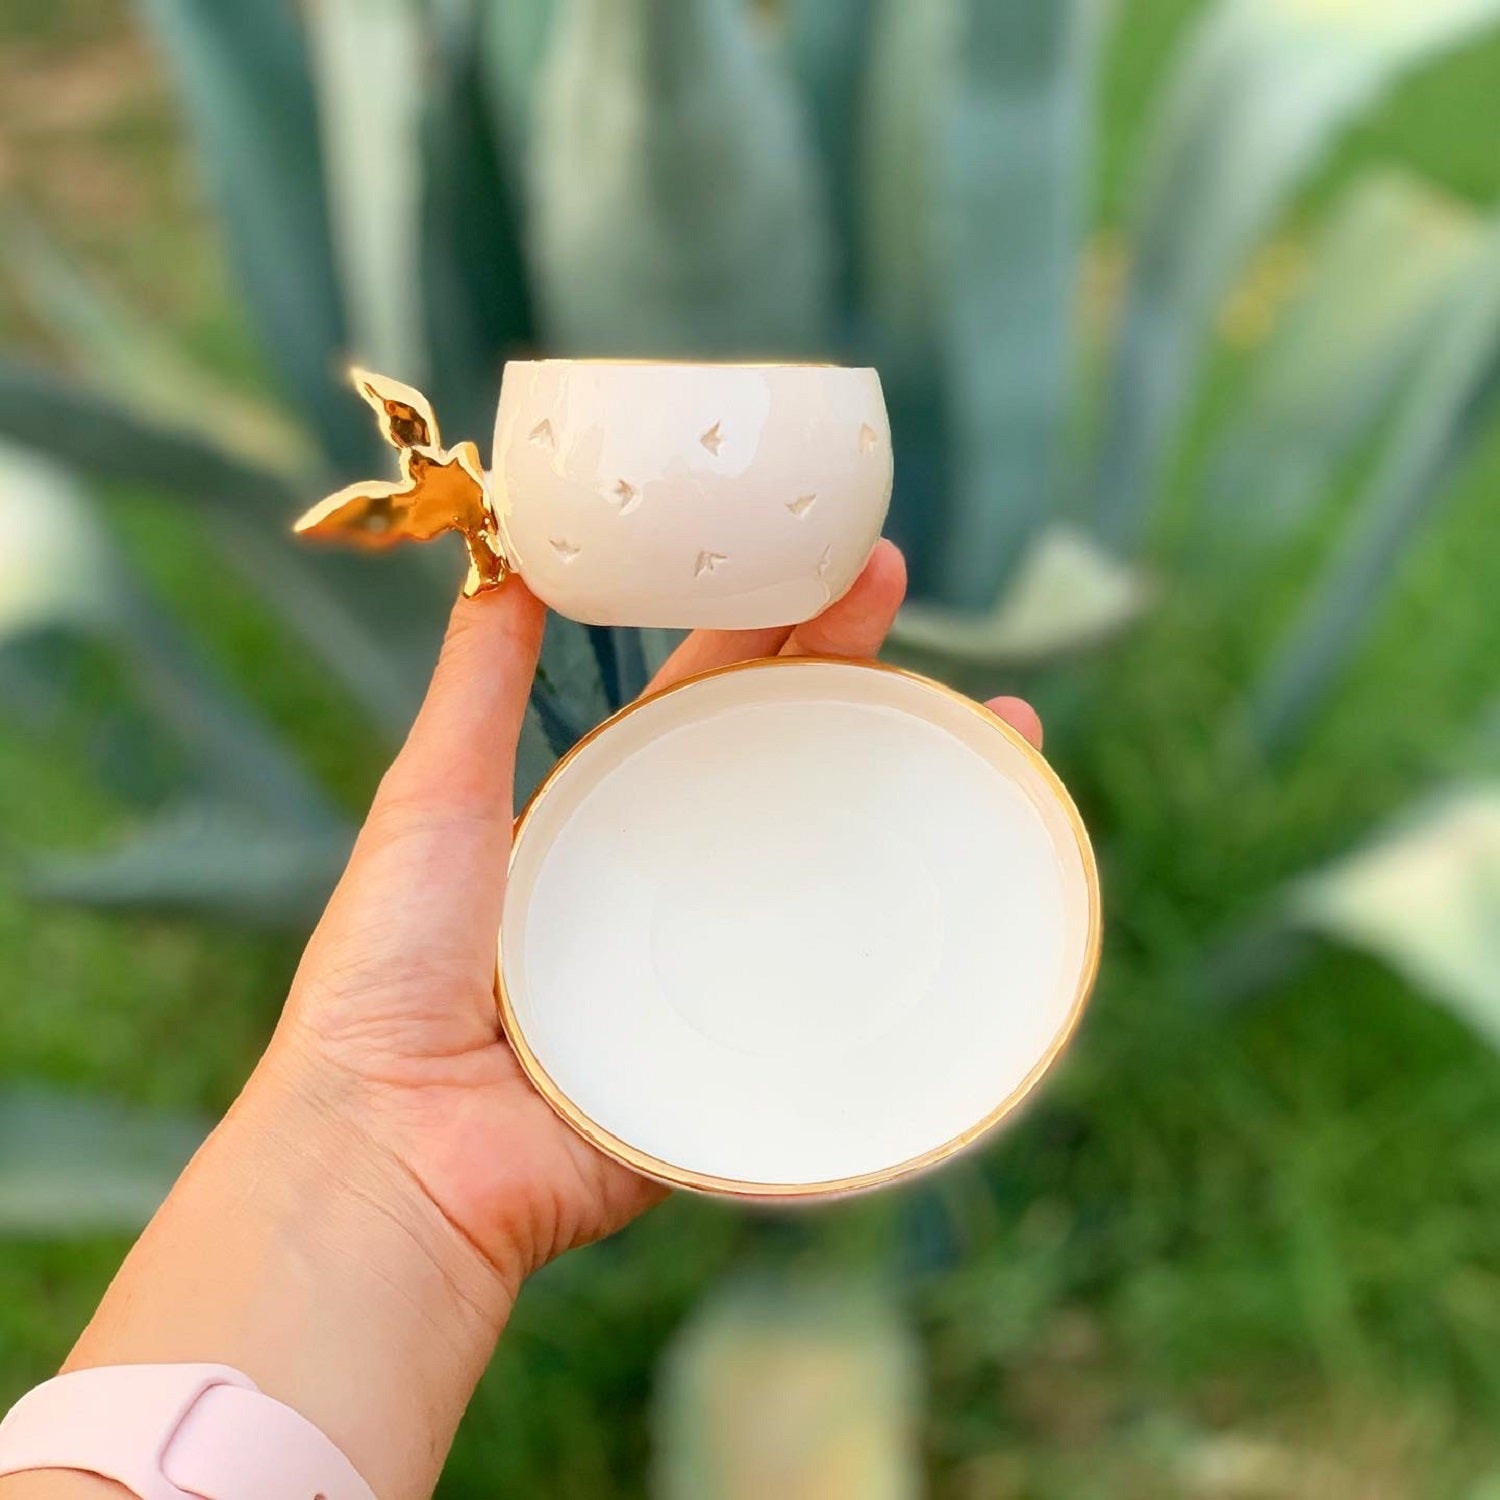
x: 297, y: 1250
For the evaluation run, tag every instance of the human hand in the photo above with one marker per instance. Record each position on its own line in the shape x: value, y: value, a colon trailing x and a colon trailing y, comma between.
x: 395, y: 996
x: 356, y: 1231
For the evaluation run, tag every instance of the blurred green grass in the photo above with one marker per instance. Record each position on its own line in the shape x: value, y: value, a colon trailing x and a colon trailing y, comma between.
x: 1228, y: 1254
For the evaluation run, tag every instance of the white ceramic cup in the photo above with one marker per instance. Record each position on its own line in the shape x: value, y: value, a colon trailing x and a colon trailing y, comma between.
x: 686, y: 495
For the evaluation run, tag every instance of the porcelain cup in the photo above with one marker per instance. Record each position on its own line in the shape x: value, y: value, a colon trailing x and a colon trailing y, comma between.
x: 685, y: 495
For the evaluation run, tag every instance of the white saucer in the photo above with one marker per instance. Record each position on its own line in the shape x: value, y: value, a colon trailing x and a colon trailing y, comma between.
x: 796, y: 927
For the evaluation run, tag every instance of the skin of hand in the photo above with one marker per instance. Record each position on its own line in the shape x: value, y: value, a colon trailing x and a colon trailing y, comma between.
x: 354, y: 1233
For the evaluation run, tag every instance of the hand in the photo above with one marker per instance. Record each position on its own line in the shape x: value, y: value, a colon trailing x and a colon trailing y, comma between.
x: 353, y: 1235
x: 396, y: 992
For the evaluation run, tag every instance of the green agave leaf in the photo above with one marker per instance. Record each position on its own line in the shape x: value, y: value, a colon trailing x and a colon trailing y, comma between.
x: 207, y: 859
x: 476, y: 298
x: 911, y: 73
x: 56, y: 566
x: 74, y: 1165
x: 534, y: 757
x: 827, y: 48
x: 673, y: 196
x: 570, y: 695
x: 621, y: 656
x: 901, y: 117
x: 234, y: 751
x: 242, y: 71
x: 64, y: 603
x: 1383, y: 264
x: 1453, y: 392
x: 771, y: 1390
x: 1425, y: 898
x: 60, y: 568
x: 1263, y: 87
x: 1067, y: 596
x: 1012, y: 174
x: 375, y: 625
x: 98, y: 436
x: 367, y: 57
x: 129, y: 361
x: 513, y: 37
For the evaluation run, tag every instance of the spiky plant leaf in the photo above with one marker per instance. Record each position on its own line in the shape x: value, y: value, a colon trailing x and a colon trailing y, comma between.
x: 1425, y: 898
x: 674, y: 201
x: 369, y: 66
x: 1388, y: 256
x: 900, y: 119
x: 233, y: 750
x: 513, y: 37
x: 207, y: 859
x: 64, y: 603
x: 241, y: 68
x: 61, y: 568
x: 476, y: 299
x: 796, y: 1392
x: 1261, y: 90
x: 1012, y: 173
x: 123, y: 356
x: 71, y: 1165
x: 570, y: 694
x: 55, y: 565
x: 376, y: 627
x: 1454, y: 390
x: 101, y: 437
x: 534, y: 757
x: 910, y: 75
x: 827, y: 46
x: 1068, y: 595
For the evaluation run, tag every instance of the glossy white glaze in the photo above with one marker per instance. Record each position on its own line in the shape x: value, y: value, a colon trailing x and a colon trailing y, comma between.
x: 689, y: 495
x: 797, y: 923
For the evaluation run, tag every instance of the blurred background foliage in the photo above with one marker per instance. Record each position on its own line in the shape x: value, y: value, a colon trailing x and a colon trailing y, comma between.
x: 1189, y: 319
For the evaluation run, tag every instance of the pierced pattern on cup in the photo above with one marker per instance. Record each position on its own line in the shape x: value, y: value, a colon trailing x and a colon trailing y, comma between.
x: 625, y: 495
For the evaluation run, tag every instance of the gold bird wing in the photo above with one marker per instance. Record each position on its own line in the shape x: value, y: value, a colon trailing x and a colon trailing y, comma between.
x: 371, y: 514
x: 405, y: 416
x: 439, y: 490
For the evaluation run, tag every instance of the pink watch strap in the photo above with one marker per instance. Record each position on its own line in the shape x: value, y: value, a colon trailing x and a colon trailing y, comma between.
x: 176, y: 1432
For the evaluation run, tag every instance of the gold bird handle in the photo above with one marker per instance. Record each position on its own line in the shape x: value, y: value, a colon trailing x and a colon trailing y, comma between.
x: 439, y: 490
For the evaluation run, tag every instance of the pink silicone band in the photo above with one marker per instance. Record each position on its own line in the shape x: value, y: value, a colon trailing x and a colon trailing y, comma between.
x: 176, y: 1432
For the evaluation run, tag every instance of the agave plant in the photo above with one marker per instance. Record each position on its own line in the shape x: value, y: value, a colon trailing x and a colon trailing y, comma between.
x: 432, y: 187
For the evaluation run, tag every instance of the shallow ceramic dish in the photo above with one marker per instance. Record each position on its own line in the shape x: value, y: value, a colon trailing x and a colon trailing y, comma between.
x: 686, y: 495
x: 792, y: 929
x: 796, y: 928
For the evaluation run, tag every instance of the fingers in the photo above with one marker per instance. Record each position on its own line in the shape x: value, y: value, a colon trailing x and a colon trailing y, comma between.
x: 704, y: 650
x: 856, y: 625
x: 1019, y: 714
x: 424, y: 886
x: 459, y: 758
x: 852, y: 626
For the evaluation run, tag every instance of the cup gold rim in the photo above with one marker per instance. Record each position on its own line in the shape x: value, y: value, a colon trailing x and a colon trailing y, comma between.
x: 668, y: 1173
x: 625, y: 362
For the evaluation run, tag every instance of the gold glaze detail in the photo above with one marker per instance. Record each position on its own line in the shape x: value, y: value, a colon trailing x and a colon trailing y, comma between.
x: 702, y: 1182
x: 440, y: 489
